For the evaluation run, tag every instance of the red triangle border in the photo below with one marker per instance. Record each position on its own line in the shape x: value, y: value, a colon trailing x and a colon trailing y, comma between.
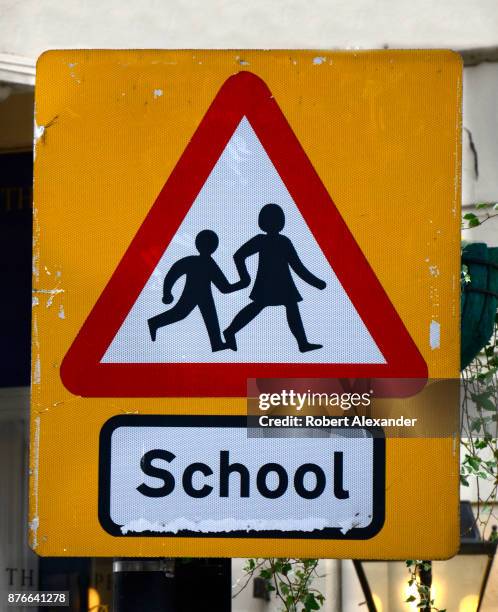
x: 243, y: 94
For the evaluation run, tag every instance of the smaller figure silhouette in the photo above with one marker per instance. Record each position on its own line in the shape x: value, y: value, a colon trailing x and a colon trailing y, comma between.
x: 200, y: 271
x: 274, y: 285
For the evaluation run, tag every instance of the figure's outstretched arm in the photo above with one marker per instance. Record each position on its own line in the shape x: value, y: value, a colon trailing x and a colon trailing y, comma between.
x: 221, y: 282
x: 175, y: 272
x: 302, y: 271
x: 251, y: 247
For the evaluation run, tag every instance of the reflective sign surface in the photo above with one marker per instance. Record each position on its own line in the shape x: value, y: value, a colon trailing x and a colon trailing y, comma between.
x: 207, y: 217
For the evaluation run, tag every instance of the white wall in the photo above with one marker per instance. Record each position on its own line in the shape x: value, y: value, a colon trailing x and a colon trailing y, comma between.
x: 29, y: 27
x: 480, y: 120
x: 480, y: 104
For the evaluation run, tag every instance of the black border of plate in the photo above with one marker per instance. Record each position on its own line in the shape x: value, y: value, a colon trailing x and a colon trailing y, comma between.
x: 329, y: 533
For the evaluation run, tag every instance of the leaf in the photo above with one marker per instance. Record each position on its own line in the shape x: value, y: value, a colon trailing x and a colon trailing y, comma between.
x: 488, y: 405
x: 286, y: 568
x: 469, y: 216
x: 489, y: 350
x: 474, y: 462
x: 410, y: 599
x: 474, y: 222
x: 475, y: 425
x: 310, y: 603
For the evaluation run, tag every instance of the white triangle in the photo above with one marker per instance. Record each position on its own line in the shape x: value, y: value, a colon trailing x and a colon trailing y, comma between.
x: 241, y: 183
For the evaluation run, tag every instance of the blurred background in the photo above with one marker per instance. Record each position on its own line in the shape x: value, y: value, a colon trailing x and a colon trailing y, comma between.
x: 29, y: 27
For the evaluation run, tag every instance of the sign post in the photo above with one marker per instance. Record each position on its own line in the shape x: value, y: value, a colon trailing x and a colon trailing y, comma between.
x: 140, y: 582
x: 224, y: 239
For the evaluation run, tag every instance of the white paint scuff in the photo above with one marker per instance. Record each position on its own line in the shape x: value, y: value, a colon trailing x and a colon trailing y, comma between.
x: 37, y: 372
x: 35, y: 268
x: 35, y: 521
x: 61, y: 314
x: 51, y: 294
x: 319, y: 60
x: 225, y: 525
x: 158, y: 93
x: 435, y: 334
x: 36, y: 253
x: 33, y: 527
x: 38, y: 132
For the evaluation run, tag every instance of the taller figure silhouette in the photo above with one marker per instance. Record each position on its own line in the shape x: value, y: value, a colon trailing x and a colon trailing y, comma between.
x: 274, y: 285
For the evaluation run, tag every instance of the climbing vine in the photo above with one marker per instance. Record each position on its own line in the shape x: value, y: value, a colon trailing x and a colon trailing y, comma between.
x: 291, y: 581
x: 479, y: 398
x: 417, y: 569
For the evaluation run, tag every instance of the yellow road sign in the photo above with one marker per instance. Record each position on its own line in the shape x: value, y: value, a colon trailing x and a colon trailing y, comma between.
x: 207, y: 217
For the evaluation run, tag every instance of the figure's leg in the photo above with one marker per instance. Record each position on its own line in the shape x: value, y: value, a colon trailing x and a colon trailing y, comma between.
x: 208, y: 312
x: 296, y: 326
x: 245, y: 316
x: 179, y: 311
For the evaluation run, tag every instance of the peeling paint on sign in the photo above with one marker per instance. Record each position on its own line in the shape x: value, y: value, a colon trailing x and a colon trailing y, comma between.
x: 34, y: 523
x: 435, y: 335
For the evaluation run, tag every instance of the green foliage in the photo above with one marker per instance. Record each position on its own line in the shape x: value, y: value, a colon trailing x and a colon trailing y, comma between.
x: 416, y: 568
x: 474, y: 220
x: 479, y: 425
x: 289, y: 579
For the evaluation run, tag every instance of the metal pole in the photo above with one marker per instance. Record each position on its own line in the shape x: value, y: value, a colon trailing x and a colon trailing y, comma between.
x: 144, y: 584
x: 365, y: 587
x: 485, y: 578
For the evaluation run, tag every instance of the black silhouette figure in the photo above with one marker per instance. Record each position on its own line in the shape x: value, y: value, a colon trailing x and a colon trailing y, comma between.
x: 200, y: 271
x: 274, y: 285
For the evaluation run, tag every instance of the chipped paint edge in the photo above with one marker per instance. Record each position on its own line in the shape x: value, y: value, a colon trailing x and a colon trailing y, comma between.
x: 34, y: 521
